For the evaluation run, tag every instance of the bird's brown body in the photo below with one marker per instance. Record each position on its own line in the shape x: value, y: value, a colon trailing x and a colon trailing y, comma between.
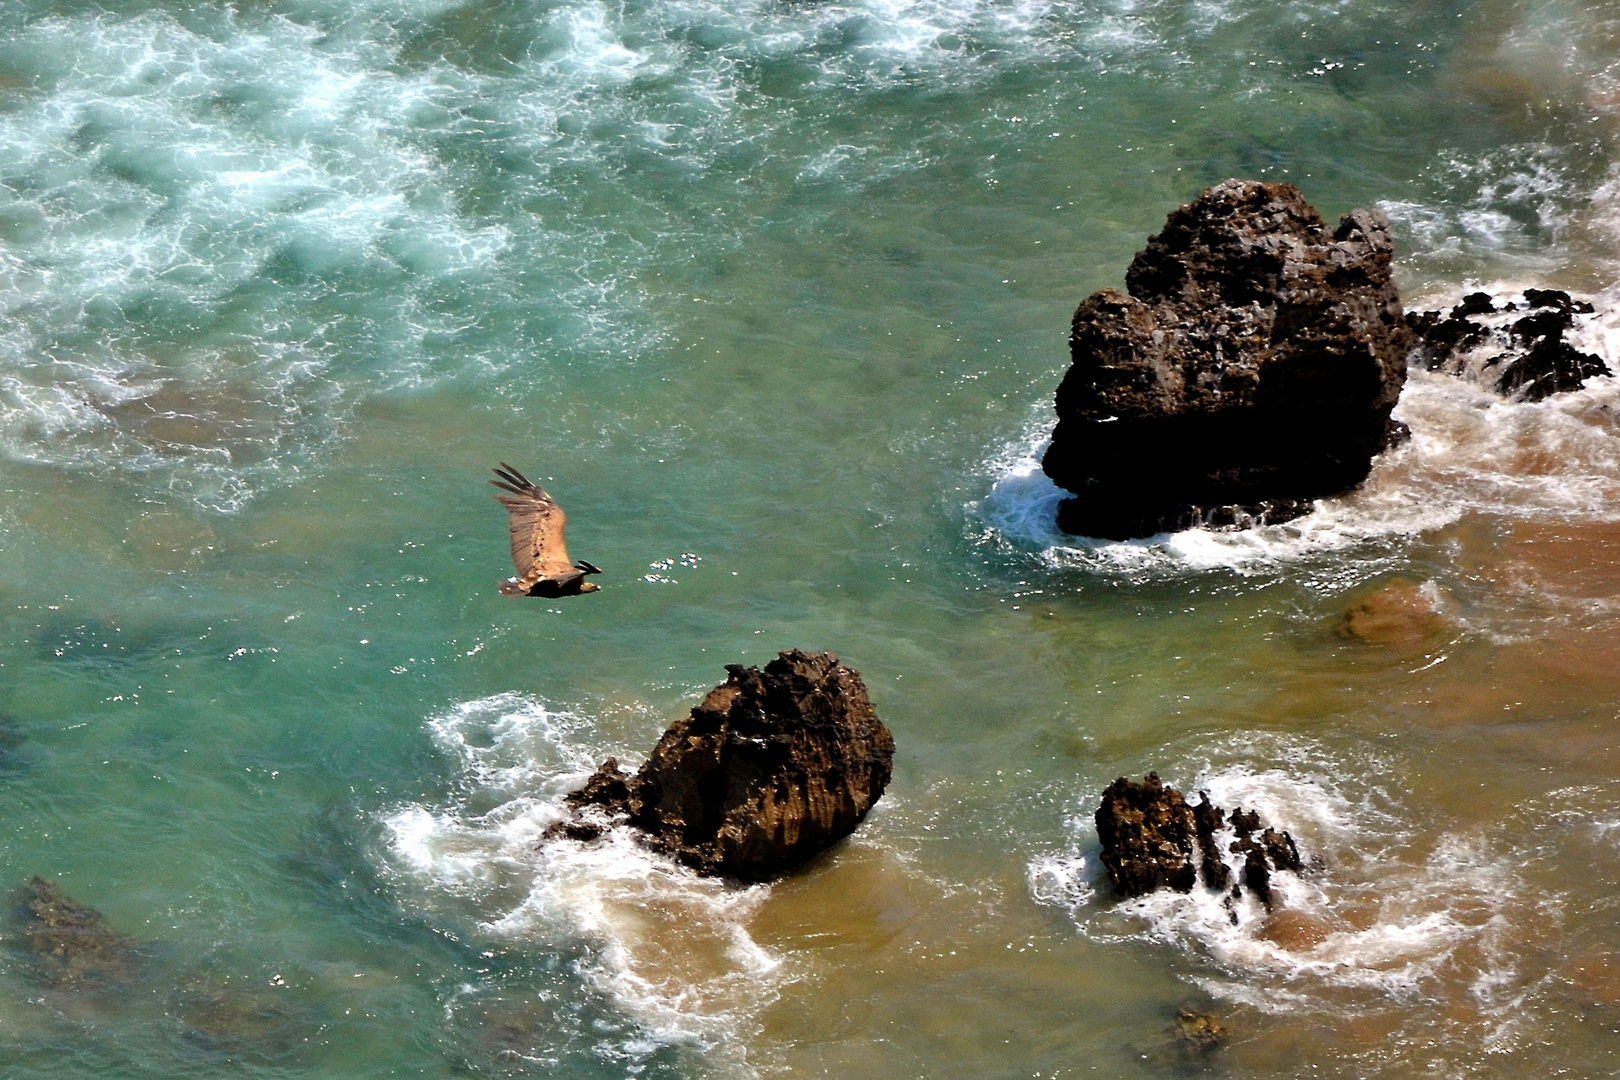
x: 539, y: 552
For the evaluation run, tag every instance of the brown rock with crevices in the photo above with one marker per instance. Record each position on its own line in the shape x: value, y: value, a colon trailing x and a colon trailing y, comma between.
x: 604, y: 798
x: 1147, y: 832
x: 608, y: 787
x: 774, y: 766
x: 1250, y: 368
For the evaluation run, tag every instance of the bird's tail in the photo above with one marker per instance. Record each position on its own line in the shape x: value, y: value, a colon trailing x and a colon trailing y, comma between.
x: 513, y: 587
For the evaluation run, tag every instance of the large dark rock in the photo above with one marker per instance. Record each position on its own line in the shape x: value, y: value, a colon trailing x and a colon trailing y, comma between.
x: 1150, y: 838
x: 771, y: 768
x: 1522, y: 356
x: 1250, y: 369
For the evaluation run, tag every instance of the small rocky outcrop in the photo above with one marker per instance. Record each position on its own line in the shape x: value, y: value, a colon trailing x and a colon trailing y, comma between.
x: 1517, y: 349
x: 1249, y: 369
x: 72, y: 943
x: 1151, y: 838
x: 772, y: 767
x: 1147, y: 833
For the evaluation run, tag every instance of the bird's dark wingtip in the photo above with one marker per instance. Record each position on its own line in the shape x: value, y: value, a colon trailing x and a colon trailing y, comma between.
x: 510, y: 475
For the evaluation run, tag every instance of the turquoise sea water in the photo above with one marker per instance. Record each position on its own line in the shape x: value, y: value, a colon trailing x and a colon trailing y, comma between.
x: 773, y: 297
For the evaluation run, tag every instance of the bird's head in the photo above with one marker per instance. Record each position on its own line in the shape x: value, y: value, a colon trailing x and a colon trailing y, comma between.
x: 589, y: 586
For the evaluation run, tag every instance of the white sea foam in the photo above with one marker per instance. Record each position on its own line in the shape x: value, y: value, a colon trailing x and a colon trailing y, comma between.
x: 149, y: 206
x: 1398, y: 915
x: 668, y: 947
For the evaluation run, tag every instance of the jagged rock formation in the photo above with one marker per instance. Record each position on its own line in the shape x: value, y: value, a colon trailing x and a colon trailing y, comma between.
x: 772, y: 767
x: 1147, y: 834
x: 72, y: 943
x: 1150, y: 838
x: 1522, y: 356
x: 1251, y: 368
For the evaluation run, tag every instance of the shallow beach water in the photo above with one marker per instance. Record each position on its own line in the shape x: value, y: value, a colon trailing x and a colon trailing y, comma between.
x: 773, y: 297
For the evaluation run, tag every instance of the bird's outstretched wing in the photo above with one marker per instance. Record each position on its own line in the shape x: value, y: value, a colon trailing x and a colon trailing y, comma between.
x: 536, y: 523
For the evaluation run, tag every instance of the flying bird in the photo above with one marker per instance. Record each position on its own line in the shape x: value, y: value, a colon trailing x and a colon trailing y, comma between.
x: 538, y: 550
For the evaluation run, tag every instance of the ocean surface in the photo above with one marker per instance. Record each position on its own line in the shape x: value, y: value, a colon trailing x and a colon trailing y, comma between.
x: 773, y: 296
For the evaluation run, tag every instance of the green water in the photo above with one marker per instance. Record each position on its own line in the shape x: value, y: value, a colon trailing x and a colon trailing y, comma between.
x: 773, y: 298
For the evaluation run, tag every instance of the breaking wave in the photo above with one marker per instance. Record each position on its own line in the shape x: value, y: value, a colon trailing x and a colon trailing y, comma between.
x: 669, y: 948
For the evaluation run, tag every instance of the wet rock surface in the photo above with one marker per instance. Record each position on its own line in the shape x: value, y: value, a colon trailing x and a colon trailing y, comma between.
x: 1147, y: 833
x: 71, y: 942
x: 1152, y: 838
x: 604, y: 799
x: 1250, y: 368
x: 774, y: 766
x: 1294, y: 931
x: 1514, y: 347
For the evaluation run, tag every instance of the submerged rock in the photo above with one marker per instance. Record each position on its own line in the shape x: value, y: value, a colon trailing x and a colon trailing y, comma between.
x: 71, y: 941
x: 1294, y: 931
x: 240, y: 1018
x: 1199, y: 1030
x: 772, y: 767
x: 11, y: 738
x: 1521, y: 356
x: 1149, y: 833
x: 1250, y: 369
x: 1395, y: 613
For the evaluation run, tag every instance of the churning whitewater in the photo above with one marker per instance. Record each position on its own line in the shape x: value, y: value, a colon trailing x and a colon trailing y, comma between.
x: 667, y: 945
